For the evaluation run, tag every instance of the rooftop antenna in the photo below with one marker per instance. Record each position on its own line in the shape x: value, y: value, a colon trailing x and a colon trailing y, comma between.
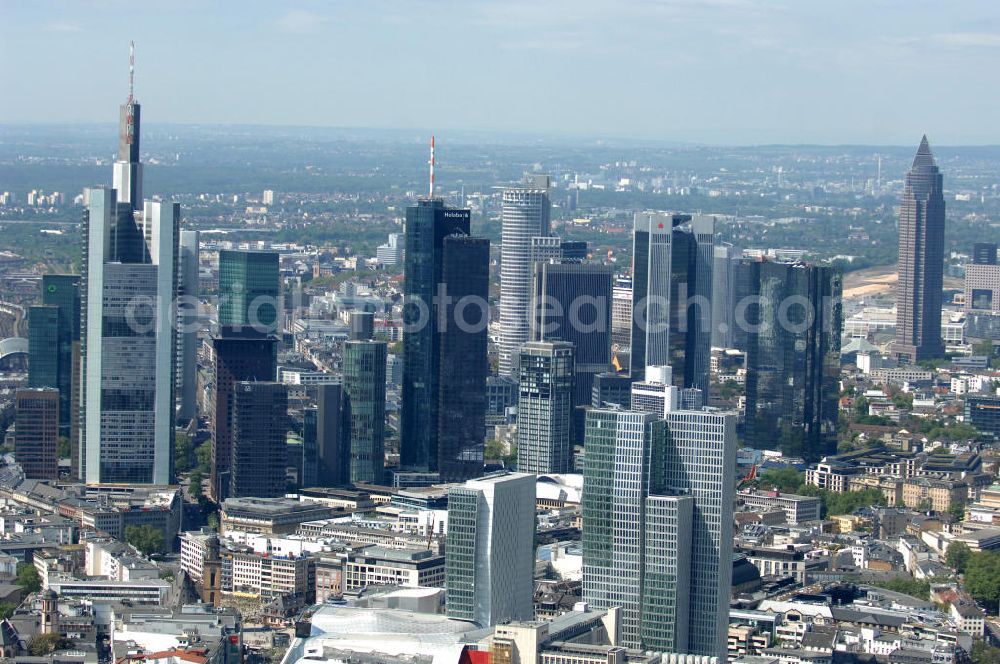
x: 131, y: 70
x: 431, y: 194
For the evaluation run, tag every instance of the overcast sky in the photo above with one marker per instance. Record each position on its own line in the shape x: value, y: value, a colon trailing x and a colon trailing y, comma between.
x: 705, y: 71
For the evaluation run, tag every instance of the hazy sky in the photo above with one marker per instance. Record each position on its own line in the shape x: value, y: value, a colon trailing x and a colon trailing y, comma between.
x: 714, y: 71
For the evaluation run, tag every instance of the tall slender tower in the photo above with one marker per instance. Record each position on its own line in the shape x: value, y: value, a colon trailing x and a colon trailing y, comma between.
x: 525, y: 215
x: 428, y: 223
x: 128, y: 343
x: 921, y: 261
x: 127, y: 169
x: 187, y: 318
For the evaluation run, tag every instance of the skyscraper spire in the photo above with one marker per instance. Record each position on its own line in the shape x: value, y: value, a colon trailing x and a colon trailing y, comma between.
x: 131, y: 71
x: 127, y: 169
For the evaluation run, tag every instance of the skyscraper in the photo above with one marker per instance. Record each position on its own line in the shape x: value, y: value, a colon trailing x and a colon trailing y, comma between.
x: 187, y: 321
x: 128, y: 346
x: 427, y: 224
x: 921, y: 261
x: 464, y: 366
x: 489, y: 569
x: 127, y: 170
x: 249, y: 290
x: 259, y: 424
x: 545, y: 407
x: 246, y: 355
x: 331, y: 451
x: 36, y: 432
x: 722, y: 296
x: 364, y: 409
x: 54, y: 352
x: 572, y: 302
x: 525, y: 215
x: 671, y: 296
x: 984, y: 253
x: 657, y: 525
x: 792, y: 346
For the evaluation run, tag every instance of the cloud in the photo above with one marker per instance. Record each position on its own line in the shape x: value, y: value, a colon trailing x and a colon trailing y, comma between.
x: 301, y: 22
x: 62, y: 27
x: 970, y: 39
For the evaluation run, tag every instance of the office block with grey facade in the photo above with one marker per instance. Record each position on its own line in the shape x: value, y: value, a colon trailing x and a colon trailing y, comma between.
x: 545, y: 407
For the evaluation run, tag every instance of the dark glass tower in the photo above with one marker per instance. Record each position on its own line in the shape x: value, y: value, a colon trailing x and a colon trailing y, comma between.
x: 463, y: 363
x: 322, y: 442
x: 245, y: 356
x: 127, y: 169
x: 673, y: 256
x: 54, y: 342
x: 793, y: 356
x: 427, y: 224
x: 249, y: 288
x: 364, y: 409
x: 259, y: 424
x: 572, y: 302
x: 921, y: 261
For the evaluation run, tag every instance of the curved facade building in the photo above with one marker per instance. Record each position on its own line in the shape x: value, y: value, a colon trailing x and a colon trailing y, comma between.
x: 525, y: 215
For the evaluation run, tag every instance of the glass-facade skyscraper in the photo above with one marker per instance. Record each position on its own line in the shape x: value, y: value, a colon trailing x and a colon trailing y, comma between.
x: 249, y: 289
x: 792, y: 342
x: 657, y: 525
x: 364, y: 409
x: 545, y: 407
x: 259, y: 422
x: 489, y: 569
x: 921, y: 261
x: 128, y: 345
x: 428, y: 223
x: 525, y: 215
x: 463, y: 362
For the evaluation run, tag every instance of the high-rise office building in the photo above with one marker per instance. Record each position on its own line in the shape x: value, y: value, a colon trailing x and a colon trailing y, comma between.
x: 545, y: 407
x: 525, y: 215
x: 246, y: 355
x: 621, y: 314
x: 657, y: 525
x: 611, y: 389
x: 427, y: 224
x: 54, y: 344
x: 127, y: 170
x: 489, y: 567
x: 259, y: 424
x: 362, y: 325
x: 36, y: 432
x: 673, y: 258
x: 249, y: 290
x: 364, y: 409
x: 187, y: 320
x: 572, y: 302
x: 723, y: 306
x: 792, y: 346
x: 463, y: 361
x: 390, y: 254
x: 327, y: 447
x: 655, y: 394
x: 921, y: 261
x: 984, y: 253
x: 128, y: 345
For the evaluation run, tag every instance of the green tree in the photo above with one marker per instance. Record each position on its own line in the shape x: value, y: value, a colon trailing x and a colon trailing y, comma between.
x: 958, y: 556
x: 984, y: 653
x: 195, y: 485
x: 182, y: 453
x: 925, y: 505
x: 145, y: 538
x: 63, y: 450
x: 982, y: 578
x: 785, y: 479
x: 204, y: 456
x: 957, y: 511
x: 27, y: 578
x: 6, y: 610
x: 912, y: 587
x: 213, y: 521
x: 46, y: 644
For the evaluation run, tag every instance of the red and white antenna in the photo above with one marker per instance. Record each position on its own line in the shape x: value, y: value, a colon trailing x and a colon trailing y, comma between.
x: 131, y: 70
x: 431, y: 194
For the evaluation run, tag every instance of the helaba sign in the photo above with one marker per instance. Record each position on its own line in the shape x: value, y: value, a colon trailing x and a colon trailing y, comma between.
x: 456, y: 214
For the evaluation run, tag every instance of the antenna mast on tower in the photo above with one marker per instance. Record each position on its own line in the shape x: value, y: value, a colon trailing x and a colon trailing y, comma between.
x: 131, y: 70
x: 431, y: 193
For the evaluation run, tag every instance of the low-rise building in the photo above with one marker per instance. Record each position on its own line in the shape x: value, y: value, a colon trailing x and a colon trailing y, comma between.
x: 380, y: 566
x: 798, y: 509
x: 268, y: 516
